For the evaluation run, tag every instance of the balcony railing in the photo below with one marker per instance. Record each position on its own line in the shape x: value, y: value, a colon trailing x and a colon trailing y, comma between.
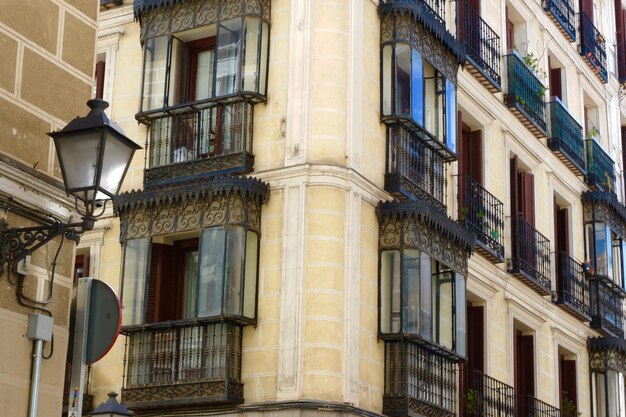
x: 600, y: 168
x: 533, y: 407
x: 187, y: 141
x: 414, y: 169
x: 489, y: 397
x: 525, y: 95
x: 481, y: 212
x: 566, y: 137
x: 572, y: 287
x: 592, y: 47
x: 419, y: 380
x: 606, y: 307
x: 562, y: 14
x: 436, y: 9
x: 531, y: 256
x: 482, y: 45
x: 177, y: 364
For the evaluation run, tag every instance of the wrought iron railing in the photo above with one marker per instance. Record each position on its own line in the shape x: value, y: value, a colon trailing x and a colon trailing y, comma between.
x: 419, y: 379
x: 525, y: 90
x: 435, y: 7
x: 572, y: 288
x: 563, y: 13
x: 204, y: 358
x: 531, y: 255
x: 482, y: 44
x: 481, y: 212
x: 592, y: 46
x: 600, y: 167
x: 566, y: 134
x: 488, y: 397
x: 533, y: 407
x: 187, y: 134
x: 414, y: 169
x: 606, y: 307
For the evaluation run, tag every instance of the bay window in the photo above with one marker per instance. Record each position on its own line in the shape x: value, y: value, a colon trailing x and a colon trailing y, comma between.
x: 605, y: 250
x: 422, y: 298
x: 212, y: 62
x: 213, y: 275
x: 416, y: 93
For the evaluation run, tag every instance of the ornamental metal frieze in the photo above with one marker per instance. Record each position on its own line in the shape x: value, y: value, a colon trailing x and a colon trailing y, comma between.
x: 402, y: 28
x: 238, y: 163
x: 162, y: 17
x: 414, y: 226
x: 607, y: 353
x: 213, y: 203
x: 600, y: 206
x: 205, y: 391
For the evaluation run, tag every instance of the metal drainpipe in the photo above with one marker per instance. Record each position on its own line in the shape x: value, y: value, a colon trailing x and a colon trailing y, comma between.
x: 34, y: 379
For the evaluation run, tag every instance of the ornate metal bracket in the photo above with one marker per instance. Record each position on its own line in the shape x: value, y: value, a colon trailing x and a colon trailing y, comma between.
x: 18, y: 242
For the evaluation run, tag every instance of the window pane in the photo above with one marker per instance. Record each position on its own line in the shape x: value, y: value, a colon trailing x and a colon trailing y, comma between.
x: 264, y: 55
x: 451, y: 128
x: 604, y: 262
x: 252, y: 250
x: 134, y: 281
x: 612, y: 387
x: 178, y: 73
x: 430, y: 98
x: 616, y: 250
x: 191, y: 283
x: 211, y: 278
x: 403, y: 80
x: 228, y: 40
x: 386, y: 81
x: 204, y: 75
x: 251, y: 50
x: 599, y: 394
x: 410, y: 291
x: 460, y: 342
x: 426, y: 331
x: 417, y: 87
x: 390, y: 292
x: 443, y: 302
x: 234, y: 270
x: 155, y: 62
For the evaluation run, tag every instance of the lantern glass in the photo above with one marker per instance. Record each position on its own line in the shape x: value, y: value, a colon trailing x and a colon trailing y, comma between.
x: 78, y: 156
x: 117, y: 157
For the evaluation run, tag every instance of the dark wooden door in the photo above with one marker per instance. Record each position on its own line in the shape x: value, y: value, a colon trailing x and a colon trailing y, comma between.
x: 567, y: 377
x: 524, y: 372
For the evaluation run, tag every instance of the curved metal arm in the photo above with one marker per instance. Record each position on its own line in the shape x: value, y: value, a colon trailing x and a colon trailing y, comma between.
x: 18, y: 242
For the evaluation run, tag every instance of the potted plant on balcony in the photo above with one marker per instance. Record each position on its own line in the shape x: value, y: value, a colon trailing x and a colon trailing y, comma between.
x: 568, y: 408
x: 473, y: 402
x: 592, y: 133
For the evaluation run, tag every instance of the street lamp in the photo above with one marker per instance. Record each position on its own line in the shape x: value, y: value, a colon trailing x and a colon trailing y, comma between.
x: 94, y: 155
x: 111, y: 408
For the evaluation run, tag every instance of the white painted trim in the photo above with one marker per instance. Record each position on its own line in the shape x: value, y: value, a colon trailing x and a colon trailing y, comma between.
x: 290, y: 368
x: 298, y: 83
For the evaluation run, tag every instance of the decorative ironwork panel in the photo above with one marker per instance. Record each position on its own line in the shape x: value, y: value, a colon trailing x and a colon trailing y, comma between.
x: 482, y: 213
x: 418, y: 380
x: 401, y: 27
x: 606, y: 307
x: 162, y: 17
x: 489, y: 397
x: 566, y: 135
x: 234, y: 200
x: 592, y: 47
x: 607, y: 353
x: 531, y: 256
x: 417, y: 225
x: 572, y: 288
x: 414, y: 169
x: 482, y: 43
x: 179, y: 361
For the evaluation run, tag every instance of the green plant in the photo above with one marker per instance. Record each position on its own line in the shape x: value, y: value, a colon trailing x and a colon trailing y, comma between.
x: 568, y: 408
x: 532, y: 61
x: 473, y: 401
x: 592, y: 133
x: 463, y: 214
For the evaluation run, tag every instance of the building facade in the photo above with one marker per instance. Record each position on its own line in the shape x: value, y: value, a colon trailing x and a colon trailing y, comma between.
x: 47, y: 49
x: 378, y: 207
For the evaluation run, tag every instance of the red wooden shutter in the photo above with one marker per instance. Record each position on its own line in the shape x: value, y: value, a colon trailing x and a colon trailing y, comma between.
x: 555, y: 83
x: 510, y: 31
x: 475, y: 338
x: 514, y: 206
x: 475, y: 157
x: 586, y: 6
x: 524, y: 371
x: 100, y: 67
x: 526, y: 197
x: 568, y: 380
x: 563, y: 226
